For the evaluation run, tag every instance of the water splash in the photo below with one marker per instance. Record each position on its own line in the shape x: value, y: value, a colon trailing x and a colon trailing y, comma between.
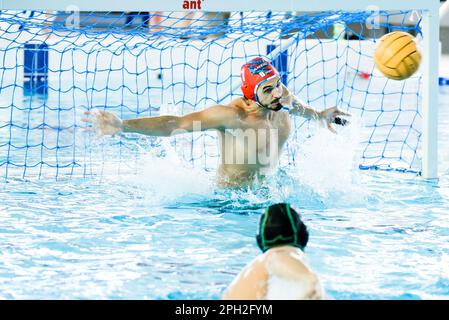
x: 162, y: 177
x: 327, y: 166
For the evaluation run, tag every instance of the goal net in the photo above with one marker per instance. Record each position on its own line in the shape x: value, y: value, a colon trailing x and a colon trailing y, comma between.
x: 55, y: 65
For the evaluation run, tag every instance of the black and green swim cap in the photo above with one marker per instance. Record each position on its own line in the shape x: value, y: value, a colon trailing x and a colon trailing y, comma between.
x: 281, y: 225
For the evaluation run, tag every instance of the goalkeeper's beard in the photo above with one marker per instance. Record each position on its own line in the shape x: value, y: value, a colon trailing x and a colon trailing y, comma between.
x: 276, y: 103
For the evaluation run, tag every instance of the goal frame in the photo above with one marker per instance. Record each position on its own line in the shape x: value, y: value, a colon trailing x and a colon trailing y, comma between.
x: 430, y: 22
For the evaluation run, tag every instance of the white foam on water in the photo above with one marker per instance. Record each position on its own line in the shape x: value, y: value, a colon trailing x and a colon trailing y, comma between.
x: 328, y: 164
x: 164, y: 178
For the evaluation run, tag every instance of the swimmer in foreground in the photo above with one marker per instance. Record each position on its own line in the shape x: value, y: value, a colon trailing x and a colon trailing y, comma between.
x: 280, y: 273
x: 252, y: 129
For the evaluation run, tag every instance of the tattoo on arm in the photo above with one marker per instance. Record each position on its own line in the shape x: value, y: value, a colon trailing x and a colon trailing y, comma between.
x: 296, y: 105
x: 301, y: 109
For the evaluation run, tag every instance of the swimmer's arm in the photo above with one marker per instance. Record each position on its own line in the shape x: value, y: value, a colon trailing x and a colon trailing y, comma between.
x: 250, y: 283
x: 298, y: 107
x: 215, y: 117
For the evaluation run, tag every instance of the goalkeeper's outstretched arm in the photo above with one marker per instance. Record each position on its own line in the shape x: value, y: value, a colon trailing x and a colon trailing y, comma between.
x: 217, y: 117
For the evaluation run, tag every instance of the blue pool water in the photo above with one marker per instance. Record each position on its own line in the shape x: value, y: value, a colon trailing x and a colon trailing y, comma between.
x: 374, y: 235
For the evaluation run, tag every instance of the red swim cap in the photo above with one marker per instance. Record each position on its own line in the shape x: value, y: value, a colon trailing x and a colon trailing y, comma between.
x: 253, y: 74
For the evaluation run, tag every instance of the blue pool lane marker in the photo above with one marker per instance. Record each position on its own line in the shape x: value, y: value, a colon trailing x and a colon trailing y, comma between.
x: 444, y: 81
x: 35, y: 68
x: 280, y: 63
